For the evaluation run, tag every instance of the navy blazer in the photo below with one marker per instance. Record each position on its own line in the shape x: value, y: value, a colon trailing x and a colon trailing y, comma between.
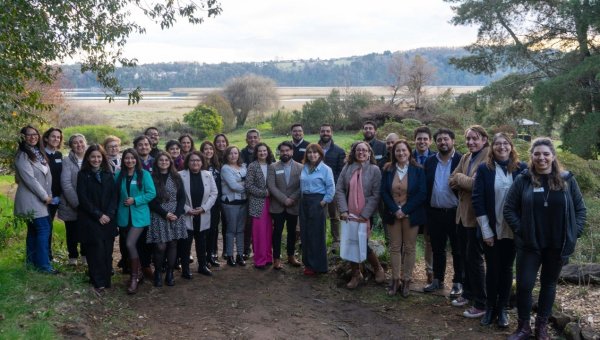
x: 430, y: 167
x: 484, y: 197
x: 417, y: 194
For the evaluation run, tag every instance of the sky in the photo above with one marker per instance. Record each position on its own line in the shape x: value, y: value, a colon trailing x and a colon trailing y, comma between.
x: 265, y: 30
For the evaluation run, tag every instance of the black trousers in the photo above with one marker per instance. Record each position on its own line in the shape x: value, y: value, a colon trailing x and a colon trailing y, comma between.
x: 144, y: 249
x: 291, y: 221
x: 184, y: 247
x: 474, y: 280
x: 499, y: 260
x: 99, y: 259
x: 213, y: 233
x: 441, y: 227
x: 52, y: 209
x: 223, y: 231
x: 528, y: 265
x: 72, y: 233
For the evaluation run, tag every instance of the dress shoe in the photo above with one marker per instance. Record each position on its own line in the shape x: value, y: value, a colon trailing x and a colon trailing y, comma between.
x: 169, y: 280
x: 246, y: 256
x: 488, y: 317
x: 541, y: 328
x: 277, y: 264
x: 502, y: 318
x: 204, y: 271
x: 405, y: 291
x: 394, y: 287
x: 213, y: 262
x: 186, y: 275
x: 457, y: 290
x: 157, y: 278
x: 231, y: 261
x: 523, y: 331
x: 240, y: 261
x: 309, y: 272
x: 433, y: 286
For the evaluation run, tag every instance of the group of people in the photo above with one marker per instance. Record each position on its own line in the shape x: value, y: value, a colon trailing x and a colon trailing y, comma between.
x: 489, y: 205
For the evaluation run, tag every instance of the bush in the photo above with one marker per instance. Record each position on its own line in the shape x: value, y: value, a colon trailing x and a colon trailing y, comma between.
x: 97, y: 133
x: 222, y: 106
x: 583, y: 138
x: 204, y: 120
x: 91, y: 117
x: 281, y: 122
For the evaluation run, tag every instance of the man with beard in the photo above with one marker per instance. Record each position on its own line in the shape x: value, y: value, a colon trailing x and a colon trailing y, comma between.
x: 142, y: 145
x: 441, y: 212
x: 283, y: 180
x: 247, y: 153
x: 154, y: 137
x: 379, y: 147
x: 298, y: 142
x: 334, y: 158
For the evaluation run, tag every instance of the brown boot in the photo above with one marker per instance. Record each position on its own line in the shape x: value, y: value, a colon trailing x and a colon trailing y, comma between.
x: 523, y: 331
x: 357, y: 277
x: 277, y: 264
x: 292, y: 260
x: 541, y: 329
x: 394, y: 287
x: 405, y: 288
x: 377, y: 268
x: 135, y: 276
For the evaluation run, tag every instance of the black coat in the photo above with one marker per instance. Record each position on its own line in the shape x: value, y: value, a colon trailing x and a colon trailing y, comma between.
x: 299, y: 151
x: 379, y: 152
x: 335, y: 159
x: 96, y: 199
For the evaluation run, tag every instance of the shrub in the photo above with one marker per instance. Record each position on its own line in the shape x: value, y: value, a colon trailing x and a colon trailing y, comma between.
x: 91, y: 117
x: 222, y: 106
x: 587, y: 180
x: 204, y: 120
x: 281, y: 122
x: 97, y: 133
x: 583, y: 138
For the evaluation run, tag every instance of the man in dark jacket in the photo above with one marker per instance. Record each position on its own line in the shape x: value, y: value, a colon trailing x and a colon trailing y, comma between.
x: 379, y: 149
x: 441, y: 211
x: 334, y: 158
x: 298, y: 142
x: 252, y: 139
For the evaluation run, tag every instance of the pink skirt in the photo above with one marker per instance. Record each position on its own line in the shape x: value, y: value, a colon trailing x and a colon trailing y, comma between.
x: 262, y: 234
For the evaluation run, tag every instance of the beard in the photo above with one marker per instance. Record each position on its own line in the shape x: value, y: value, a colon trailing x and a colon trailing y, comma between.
x: 325, y: 139
x: 285, y: 158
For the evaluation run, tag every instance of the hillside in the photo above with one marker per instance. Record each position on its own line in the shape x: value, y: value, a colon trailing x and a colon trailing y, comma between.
x: 366, y: 70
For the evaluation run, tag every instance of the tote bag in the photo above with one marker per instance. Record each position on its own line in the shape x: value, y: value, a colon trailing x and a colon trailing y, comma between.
x: 353, y: 243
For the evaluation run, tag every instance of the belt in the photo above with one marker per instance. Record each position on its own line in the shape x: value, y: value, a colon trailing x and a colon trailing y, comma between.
x: 446, y: 210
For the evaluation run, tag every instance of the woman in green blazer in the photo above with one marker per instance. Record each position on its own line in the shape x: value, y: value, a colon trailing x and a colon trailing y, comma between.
x: 136, y: 190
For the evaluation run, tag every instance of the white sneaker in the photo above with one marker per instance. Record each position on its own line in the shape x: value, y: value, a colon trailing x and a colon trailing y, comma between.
x: 459, y: 302
x: 72, y: 261
x: 83, y: 261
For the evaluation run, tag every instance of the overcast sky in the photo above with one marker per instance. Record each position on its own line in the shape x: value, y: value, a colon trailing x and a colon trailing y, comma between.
x: 262, y: 30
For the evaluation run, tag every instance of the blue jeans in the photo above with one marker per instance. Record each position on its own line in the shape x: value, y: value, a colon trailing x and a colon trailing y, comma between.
x: 38, y: 234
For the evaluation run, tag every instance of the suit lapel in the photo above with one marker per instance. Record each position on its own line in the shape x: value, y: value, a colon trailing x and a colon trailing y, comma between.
x: 185, y: 176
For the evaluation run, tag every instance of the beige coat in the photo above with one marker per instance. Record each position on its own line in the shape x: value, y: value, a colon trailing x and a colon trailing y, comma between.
x: 280, y: 190
x: 35, y: 186
x: 208, y: 199
x: 464, y: 181
x: 371, y: 181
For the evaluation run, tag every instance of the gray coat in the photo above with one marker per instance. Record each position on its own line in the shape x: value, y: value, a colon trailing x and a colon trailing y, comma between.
x: 67, y: 210
x: 371, y: 181
x: 280, y: 190
x: 256, y: 189
x: 35, y: 186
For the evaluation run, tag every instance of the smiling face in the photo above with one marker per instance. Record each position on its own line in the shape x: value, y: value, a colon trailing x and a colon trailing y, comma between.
x: 164, y: 163
x: 285, y: 153
x: 195, y: 164
x: 390, y: 141
x: 325, y: 134
x: 313, y: 156
x: 32, y: 137
x: 53, y: 141
x: 444, y: 143
x: 297, y: 134
x: 143, y: 147
x: 129, y: 161
x: 542, y: 158
x: 422, y: 142
x: 95, y: 159
x: 233, y: 156
x: 154, y: 136
x: 186, y: 145
x: 475, y: 141
x: 368, y: 131
x: 208, y: 151
x: 252, y: 139
x: 362, y: 152
x: 501, y: 149
x: 113, y: 148
x: 221, y: 143
x: 402, y: 154
x: 262, y: 153
x: 78, y: 146
x: 174, y: 151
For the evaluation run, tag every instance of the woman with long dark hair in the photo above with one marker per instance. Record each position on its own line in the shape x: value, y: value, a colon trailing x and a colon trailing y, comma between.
x: 52, y: 142
x: 136, y: 190
x: 317, y: 188
x: 167, y: 225
x: 97, y: 210
x: 494, y: 178
x: 545, y: 210
x: 221, y: 144
x: 404, y: 191
x: 34, y: 194
x: 213, y: 165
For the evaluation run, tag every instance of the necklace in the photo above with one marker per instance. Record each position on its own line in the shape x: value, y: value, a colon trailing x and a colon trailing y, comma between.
x: 546, y: 198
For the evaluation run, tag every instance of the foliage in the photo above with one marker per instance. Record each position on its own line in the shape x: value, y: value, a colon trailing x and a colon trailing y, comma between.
x: 250, y: 93
x: 314, y: 113
x: 205, y: 120
x: 420, y: 74
x: 222, y: 106
x: 281, y: 121
x: 355, y: 102
x: 588, y: 181
x: 97, y: 133
x: 403, y: 129
x: 583, y: 136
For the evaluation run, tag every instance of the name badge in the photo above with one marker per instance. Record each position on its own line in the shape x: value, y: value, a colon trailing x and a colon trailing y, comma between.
x: 378, y: 157
x: 58, y: 160
x: 540, y: 189
x: 302, y: 149
x: 279, y: 172
x: 133, y: 182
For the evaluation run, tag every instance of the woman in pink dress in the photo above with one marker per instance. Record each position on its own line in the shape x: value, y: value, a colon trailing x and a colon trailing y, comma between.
x: 258, y: 206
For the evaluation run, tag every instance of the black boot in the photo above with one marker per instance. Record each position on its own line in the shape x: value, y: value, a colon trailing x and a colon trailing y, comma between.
x: 240, y: 261
x: 202, y: 267
x: 502, y: 318
x: 185, y: 268
x: 158, y: 278
x: 541, y: 328
x: 489, y: 317
x: 231, y: 261
x: 523, y: 331
x: 169, y: 280
x: 213, y: 261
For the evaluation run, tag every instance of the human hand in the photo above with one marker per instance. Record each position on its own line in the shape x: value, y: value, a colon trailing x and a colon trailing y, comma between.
x: 129, y: 201
x: 489, y: 241
x: 104, y: 219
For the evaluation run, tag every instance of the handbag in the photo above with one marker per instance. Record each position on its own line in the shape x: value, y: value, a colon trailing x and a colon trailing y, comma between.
x: 353, y: 241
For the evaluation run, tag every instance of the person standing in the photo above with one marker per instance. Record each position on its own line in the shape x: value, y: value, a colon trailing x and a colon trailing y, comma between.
x: 167, y: 225
x: 357, y: 195
x: 441, y: 212
x: 334, y: 158
x: 317, y: 186
x: 153, y: 137
x: 67, y: 208
x: 259, y: 201
x: 142, y: 146
x: 378, y: 147
x: 34, y: 194
x: 283, y: 181
x: 298, y: 142
x: 187, y: 144
x: 234, y: 203
x: 112, y: 146
x: 390, y: 140
x: 136, y: 190
x: 545, y: 210
x: 494, y: 177
x: 404, y: 193
x: 213, y: 165
x: 52, y: 141
x: 201, y: 193
x: 221, y: 143
x: 462, y: 179
x: 173, y: 147
x: 97, y: 212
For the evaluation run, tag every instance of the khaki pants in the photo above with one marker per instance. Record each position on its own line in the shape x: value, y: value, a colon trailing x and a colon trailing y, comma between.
x: 334, y: 221
x: 403, y: 244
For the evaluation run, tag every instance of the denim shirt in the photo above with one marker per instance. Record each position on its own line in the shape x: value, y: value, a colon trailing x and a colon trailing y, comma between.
x: 319, y: 181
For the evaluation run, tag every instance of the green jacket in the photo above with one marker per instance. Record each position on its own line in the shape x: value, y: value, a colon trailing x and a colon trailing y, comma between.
x: 140, y: 211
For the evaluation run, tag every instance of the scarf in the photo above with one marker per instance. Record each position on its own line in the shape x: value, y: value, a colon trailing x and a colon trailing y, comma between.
x: 356, y: 196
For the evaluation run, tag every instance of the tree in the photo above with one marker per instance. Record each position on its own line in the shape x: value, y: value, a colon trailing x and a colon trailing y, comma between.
x: 398, y: 70
x: 554, y: 43
x: 250, y: 93
x: 219, y: 103
x: 205, y: 120
x: 420, y: 74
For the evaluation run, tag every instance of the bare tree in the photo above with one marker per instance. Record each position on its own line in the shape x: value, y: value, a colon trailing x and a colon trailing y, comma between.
x: 420, y: 74
x: 398, y: 70
x: 250, y: 93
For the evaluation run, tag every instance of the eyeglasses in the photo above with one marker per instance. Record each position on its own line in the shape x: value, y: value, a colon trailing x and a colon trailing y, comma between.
x: 195, y: 160
x: 502, y: 144
x: 112, y: 146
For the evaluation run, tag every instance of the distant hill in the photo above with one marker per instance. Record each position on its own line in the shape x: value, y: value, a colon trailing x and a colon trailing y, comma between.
x: 366, y: 70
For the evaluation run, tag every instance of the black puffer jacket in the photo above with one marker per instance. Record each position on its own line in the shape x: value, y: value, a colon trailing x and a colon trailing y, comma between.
x: 518, y: 213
